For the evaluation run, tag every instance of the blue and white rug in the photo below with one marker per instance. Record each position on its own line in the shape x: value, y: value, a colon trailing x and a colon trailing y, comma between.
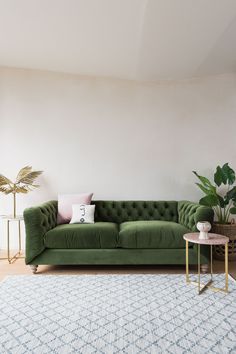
x: 109, y: 314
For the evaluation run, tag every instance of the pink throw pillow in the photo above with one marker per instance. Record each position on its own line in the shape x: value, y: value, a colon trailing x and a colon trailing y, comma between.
x: 65, y: 202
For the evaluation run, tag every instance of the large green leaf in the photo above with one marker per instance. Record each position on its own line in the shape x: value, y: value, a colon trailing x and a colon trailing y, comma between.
x: 232, y: 210
x: 204, y: 189
x: 222, y: 202
x: 209, y: 200
x: 231, y: 194
x: 224, y: 175
x: 219, y: 177
x: 228, y: 173
x: 205, y: 181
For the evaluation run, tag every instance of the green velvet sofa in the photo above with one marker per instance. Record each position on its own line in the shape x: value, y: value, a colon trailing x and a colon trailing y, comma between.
x: 124, y: 233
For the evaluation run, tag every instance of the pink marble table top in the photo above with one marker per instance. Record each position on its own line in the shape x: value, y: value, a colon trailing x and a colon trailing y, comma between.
x: 214, y: 239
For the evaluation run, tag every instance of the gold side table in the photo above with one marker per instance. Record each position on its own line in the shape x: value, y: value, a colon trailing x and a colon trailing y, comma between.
x: 9, y: 219
x: 214, y: 239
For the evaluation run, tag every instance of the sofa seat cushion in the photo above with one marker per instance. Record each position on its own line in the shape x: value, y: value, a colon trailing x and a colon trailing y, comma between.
x: 152, y: 234
x: 98, y: 235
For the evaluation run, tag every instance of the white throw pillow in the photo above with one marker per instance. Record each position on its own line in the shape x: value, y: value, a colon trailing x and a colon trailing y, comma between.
x: 82, y: 214
x: 65, y: 202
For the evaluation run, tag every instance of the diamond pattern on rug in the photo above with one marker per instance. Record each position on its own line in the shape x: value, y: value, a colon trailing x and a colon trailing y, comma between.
x: 117, y: 314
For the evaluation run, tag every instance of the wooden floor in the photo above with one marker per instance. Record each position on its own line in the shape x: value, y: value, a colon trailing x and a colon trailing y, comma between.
x: 19, y: 267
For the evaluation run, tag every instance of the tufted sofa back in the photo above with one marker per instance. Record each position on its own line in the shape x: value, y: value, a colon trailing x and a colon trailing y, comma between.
x: 49, y: 215
x: 121, y: 211
x: 184, y: 212
x: 190, y: 213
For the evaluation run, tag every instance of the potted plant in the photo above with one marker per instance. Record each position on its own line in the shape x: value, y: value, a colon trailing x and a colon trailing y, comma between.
x: 221, y: 196
x: 24, y: 183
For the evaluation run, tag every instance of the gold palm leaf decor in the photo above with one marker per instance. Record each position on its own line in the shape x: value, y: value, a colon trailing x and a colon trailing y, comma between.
x: 24, y: 183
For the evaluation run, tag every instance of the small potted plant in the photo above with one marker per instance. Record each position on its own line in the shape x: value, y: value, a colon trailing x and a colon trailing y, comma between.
x: 221, y: 196
x: 24, y: 183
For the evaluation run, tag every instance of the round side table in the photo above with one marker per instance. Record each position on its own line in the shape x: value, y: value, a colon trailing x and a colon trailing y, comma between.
x: 214, y: 239
x: 9, y: 219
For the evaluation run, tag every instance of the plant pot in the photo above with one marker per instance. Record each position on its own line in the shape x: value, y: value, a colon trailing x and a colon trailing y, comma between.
x: 228, y: 230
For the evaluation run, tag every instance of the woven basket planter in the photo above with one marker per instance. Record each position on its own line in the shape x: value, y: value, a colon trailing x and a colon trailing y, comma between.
x: 228, y: 230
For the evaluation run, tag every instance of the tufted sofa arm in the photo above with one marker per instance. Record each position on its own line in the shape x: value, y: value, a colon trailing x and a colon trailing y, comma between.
x: 190, y: 213
x: 38, y: 220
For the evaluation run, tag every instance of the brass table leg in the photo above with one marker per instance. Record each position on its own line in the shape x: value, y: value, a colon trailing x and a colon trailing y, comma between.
x: 17, y: 255
x: 211, y: 264
x: 226, y: 268
x: 8, y: 241
x: 198, y: 267
x: 187, y: 264
x: 202, y: 287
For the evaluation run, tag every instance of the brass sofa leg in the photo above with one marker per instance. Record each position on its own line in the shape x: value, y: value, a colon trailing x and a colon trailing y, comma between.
x: 33, y: 268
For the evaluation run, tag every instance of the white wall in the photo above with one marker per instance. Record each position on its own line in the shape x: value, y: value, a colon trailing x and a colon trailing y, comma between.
x: 119, y: 139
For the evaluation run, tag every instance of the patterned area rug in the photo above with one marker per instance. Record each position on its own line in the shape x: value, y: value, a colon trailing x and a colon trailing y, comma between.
x: 109, y: 314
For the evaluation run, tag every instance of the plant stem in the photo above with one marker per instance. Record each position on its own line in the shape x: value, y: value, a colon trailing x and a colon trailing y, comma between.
x: 14, y: 205
x: 224, y: 216
x: 228, y: 212
x: 217, y: 213
x: 220, y: 213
